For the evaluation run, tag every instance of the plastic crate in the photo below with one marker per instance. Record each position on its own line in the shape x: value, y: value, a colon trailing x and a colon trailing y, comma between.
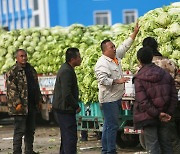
x: 90, y: 118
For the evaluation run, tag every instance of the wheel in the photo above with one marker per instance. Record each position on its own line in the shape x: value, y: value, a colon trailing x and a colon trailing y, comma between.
x: 98, y: 135
x: 127, y: 140
x: 141, y: 140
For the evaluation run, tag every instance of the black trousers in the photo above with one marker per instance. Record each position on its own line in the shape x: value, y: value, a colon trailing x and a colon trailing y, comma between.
x: 68, y: 130
x: 175, y: 138
x: 24, y: 126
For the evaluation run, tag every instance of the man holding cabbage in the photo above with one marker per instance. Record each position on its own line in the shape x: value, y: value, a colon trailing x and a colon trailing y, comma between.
x: 111, y: 88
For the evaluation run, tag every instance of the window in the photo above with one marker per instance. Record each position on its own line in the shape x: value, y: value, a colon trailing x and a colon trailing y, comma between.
x: 4, y: 4
x: 36, y: 12
x: 30, y: 4
x: 11, y: 24
x: 36, y: 20
x: 23, y: 4
x: 39, y: 10
x: 36, y: 7
x: 129, y: 16
x: 17, y: 5
x: 102, y: 18
x: 11, y: 6
x: 25, y: 24
x: 18, y: 24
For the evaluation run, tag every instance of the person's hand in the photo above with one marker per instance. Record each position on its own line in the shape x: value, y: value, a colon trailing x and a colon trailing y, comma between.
x: 78, y: 110
x: 136, y: 30
x: 19, y: 107
x: 121, y: 80
x: 164, y: 117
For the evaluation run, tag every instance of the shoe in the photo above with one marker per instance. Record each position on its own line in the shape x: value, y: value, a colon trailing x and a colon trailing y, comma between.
x: 32, y: 152
x: 83, y: 139
x: 35, y: 152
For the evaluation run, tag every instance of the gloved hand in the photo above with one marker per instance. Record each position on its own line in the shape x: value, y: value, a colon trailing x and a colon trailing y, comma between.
x: 19, y: 107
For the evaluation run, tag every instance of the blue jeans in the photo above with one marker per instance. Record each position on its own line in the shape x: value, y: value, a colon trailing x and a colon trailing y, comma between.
x: 157, y: 139
x: 111, y: 124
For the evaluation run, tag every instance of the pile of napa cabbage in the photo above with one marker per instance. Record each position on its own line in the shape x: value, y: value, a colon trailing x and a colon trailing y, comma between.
x: 46, y: 47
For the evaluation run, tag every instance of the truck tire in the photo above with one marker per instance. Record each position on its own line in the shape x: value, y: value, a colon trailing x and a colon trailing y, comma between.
x: 127, y: 140
x: 141, y: 140
x: 98, y: 135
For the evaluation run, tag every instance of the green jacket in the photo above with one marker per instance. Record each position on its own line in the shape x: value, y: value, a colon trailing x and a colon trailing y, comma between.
x: 17, y: 90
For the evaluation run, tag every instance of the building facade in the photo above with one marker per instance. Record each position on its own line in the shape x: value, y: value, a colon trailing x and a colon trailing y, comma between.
x: 90, y: 12
x: 16, y: 14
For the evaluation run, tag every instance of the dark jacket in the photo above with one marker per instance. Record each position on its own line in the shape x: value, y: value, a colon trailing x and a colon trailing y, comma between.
x: 17, y: 89
x: 155, y: 92
x: 65, y: 98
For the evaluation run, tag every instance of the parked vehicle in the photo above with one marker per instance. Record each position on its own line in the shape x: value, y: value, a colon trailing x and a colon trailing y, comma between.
x: 46, y: 83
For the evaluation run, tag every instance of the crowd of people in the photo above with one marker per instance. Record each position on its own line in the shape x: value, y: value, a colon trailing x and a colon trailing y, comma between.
x: 153, y: 109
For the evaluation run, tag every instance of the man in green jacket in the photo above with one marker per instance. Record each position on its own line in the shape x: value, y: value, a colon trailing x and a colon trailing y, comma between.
x: 24, y: 98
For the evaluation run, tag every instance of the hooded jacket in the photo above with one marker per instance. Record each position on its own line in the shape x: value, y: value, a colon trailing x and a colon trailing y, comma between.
x: 155, y: 92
